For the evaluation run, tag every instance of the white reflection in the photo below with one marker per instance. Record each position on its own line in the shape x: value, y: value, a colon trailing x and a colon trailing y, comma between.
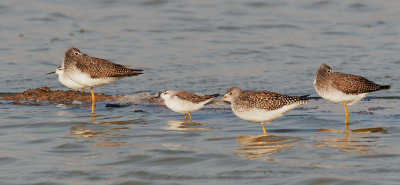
x: 181, y: 125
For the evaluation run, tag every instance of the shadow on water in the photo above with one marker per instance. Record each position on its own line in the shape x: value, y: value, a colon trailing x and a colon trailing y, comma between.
x: 261, y: 147
x: 181, y: 125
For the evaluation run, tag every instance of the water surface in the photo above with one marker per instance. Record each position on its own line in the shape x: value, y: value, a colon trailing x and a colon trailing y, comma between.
x: 206, y: 47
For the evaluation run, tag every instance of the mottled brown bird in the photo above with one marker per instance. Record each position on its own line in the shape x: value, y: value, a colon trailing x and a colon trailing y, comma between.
x: 91, y: 72
x: 261, y: 106
x: 343, y: 88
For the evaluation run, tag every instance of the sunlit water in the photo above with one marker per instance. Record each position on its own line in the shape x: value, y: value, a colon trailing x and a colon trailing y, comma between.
x: 206, y: 47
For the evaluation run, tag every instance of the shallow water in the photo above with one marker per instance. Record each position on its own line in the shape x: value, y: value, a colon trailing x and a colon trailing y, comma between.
x: 206, y: 47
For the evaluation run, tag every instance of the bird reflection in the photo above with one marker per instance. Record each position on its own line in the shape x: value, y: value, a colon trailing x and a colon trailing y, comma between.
x: 261, y: 147
x: 357, y: 131
x: 102, y: 137
x: 352, y: 141
x: 181, y: 125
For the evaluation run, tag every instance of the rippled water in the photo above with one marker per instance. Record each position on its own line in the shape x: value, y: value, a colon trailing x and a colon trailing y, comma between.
x: 206, y: 47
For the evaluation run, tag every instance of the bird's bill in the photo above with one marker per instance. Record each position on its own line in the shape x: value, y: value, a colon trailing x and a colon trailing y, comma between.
x: 158, y: 95
x: 50, y: 73
x: 220, y: 99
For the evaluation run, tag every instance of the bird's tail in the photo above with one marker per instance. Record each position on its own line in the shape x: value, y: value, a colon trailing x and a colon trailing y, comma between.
x: 128, y: 72
x: 383, y: 87
x: 212, y: 95
x: 136, y: 72
x: 304, y: 97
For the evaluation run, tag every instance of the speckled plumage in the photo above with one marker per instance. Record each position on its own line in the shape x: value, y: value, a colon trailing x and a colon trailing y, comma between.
x: 91, y: 72
x: 95, y: 67
x: 265, y: 100
x: 261, y: 106
x: 343, y: 88
x: 193, y: 97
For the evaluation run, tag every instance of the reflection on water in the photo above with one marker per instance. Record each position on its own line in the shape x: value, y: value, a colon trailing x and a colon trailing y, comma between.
x: 261, y: 147
x: 181, y: 125
x: 357, y: 131
x: 103, y: 137
x: 103, y: 122
x: 351, y: 142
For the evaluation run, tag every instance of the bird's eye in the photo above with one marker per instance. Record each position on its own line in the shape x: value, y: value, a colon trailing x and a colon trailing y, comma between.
x: 230, y: 93
x: 329, y: 71
x: 76, y: 53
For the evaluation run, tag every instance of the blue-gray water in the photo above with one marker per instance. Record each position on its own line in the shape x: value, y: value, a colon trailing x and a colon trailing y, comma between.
x: 206, y: 47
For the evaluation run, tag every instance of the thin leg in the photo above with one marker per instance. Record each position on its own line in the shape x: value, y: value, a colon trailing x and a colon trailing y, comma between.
x: 94, y: 119
x: 265, y: 132
x: 93, y: 100
x: 190, y: 117
x: 185, y: 117
x: 347, y: 117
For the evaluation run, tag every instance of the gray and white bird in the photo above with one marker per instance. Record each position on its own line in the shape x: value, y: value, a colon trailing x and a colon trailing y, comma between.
x: 185, y: 102
x: 261, y: 106
x: 343, y: 88
x: 92, y: 72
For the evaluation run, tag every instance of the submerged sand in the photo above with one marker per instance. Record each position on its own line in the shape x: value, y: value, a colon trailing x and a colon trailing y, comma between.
x: 46, y: 94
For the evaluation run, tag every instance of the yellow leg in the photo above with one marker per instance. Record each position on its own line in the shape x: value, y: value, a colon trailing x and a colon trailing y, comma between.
x: 347, y: 117
x: 265, y: 132
x: 190, y: 117
x: 93, y: 100
x: 94, y: 119
x: 185, y: 117
x: 83, y: 90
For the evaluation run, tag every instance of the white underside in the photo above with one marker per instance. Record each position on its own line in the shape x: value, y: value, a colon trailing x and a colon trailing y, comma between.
x: 337, y: 96
x: 183, y: 106
x: 263, y: 116
x: 85, y: 79
x: 67, y: 82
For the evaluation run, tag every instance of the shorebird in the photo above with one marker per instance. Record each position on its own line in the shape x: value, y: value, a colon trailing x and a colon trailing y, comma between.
x: 92, y: 72
x: 185, y: 102
x: 343, y: 88
x: 67, y: 82
x: 261, y: 106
